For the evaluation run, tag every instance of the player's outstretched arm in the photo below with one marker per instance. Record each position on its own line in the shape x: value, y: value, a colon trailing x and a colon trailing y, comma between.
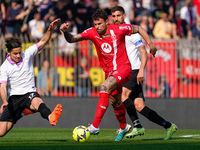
x: 47, y: 35
x: 68, y: 36
x: 3, y: 91
x: 142, y: 32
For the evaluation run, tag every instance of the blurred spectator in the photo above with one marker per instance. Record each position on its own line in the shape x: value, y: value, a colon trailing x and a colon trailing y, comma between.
x: 183, y: 29
x: 91, y: 9
x: 32, y: 7
x: 188, y: 14
x: 20, y: 3
x: 65, y: 48
x: 51, y: 18
x: 197, y: 6
x: 46, y: 7
x: 180, y: 4
x: 144, y: 23
x: 82, y: 78
x: 36, y: 27
x: 111, y: 4
x: 129, y: 10
x: 159, y: 9
x: 103, y: 4
x: 12, y: 11
x: 2, y: 16
x: 140, y: 12
x: 179, y: 24
x: 46, y: 80
x: 20, y: 20
x: 196, y: 29
x: 148, y: 4
x: 63, y: 10
x: 80, y: 15
x: 169, y: 8
x: 164, y: 87
x: 163, y: 28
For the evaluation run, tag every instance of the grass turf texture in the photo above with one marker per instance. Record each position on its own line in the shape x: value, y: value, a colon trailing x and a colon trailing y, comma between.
x: 61, y: 139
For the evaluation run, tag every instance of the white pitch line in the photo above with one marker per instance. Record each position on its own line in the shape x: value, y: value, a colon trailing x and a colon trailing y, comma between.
x: 194, y: 135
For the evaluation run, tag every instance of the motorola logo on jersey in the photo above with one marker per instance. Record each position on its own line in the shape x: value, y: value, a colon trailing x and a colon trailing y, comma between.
x: 106, y: 47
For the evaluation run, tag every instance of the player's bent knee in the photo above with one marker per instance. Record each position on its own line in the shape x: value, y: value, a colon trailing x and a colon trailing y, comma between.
x: 2, y: 132
x: 139, y: 104
x: 126, y: 92
x: 5, y: 127
x: 139, y: 107
x: 1, y: 135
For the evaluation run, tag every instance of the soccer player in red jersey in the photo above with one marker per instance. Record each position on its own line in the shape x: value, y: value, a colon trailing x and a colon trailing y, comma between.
x: 109, y: 40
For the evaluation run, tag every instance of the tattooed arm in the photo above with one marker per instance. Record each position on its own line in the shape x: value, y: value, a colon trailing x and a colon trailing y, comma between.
x: 68, y: 36
x: 142, y: 32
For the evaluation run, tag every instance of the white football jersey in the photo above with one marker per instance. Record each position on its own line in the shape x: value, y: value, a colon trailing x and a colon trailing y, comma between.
x: 132, y: 43
x: 20, y: 76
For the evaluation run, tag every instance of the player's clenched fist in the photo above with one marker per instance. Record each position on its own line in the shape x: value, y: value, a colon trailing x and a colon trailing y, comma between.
x: 153, y: 49
x: 64, y: 27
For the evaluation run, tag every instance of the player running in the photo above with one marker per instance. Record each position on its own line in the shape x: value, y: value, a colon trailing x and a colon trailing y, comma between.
x: 109, y: 41
x: 17, y: 70
x: 132, y: 93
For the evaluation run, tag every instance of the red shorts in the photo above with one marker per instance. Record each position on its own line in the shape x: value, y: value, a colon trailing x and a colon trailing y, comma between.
x: 122, y: 75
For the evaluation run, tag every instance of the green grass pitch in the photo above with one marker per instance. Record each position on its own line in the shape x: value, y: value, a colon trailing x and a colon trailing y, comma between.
x: 61, y: 139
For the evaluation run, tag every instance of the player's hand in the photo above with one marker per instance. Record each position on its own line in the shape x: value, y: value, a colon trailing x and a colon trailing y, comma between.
x: 64, y: 27
x: 53, y: 24
x: 3, y: 106
x: 140, y: 77
x: 153, y: 49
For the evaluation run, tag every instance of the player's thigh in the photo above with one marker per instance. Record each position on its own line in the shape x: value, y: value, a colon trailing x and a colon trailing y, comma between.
x: 5, y: 126
x: 125, y: 93
x: 139, y: 104
x: 35, y: 103
x: 109, y: 84
x: 115, y: 99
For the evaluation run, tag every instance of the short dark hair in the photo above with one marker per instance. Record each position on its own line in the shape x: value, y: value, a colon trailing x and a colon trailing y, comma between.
x: 100, y: 14
x: 117, y: 8
x: 12, y: 43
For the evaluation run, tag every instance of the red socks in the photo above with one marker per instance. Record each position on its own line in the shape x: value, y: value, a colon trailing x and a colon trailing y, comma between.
x: 101, y: 108
x: 120, y: 113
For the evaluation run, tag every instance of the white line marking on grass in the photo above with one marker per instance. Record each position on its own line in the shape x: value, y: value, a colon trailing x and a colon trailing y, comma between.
x: 194, y: 135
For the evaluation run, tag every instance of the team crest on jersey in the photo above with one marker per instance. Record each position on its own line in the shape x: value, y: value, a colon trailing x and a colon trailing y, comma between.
x: 106, y: 47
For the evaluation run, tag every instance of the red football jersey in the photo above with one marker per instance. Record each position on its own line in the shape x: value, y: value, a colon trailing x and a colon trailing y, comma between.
x: 111, y: 48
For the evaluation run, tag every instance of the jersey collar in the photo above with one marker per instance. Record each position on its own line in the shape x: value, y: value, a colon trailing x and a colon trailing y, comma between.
x: 12, y: 62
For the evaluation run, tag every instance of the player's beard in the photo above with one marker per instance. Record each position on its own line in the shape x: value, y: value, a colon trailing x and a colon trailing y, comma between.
x: 101, y: 32
x: 117, y: 22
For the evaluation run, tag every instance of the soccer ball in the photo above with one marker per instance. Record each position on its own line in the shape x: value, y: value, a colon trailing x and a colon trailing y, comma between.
x: 81, y: 134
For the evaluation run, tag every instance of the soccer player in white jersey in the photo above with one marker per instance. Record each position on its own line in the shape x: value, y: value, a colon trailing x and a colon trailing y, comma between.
x: 109, y: 40
x: 17, y: 70
x: 132, y: 90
